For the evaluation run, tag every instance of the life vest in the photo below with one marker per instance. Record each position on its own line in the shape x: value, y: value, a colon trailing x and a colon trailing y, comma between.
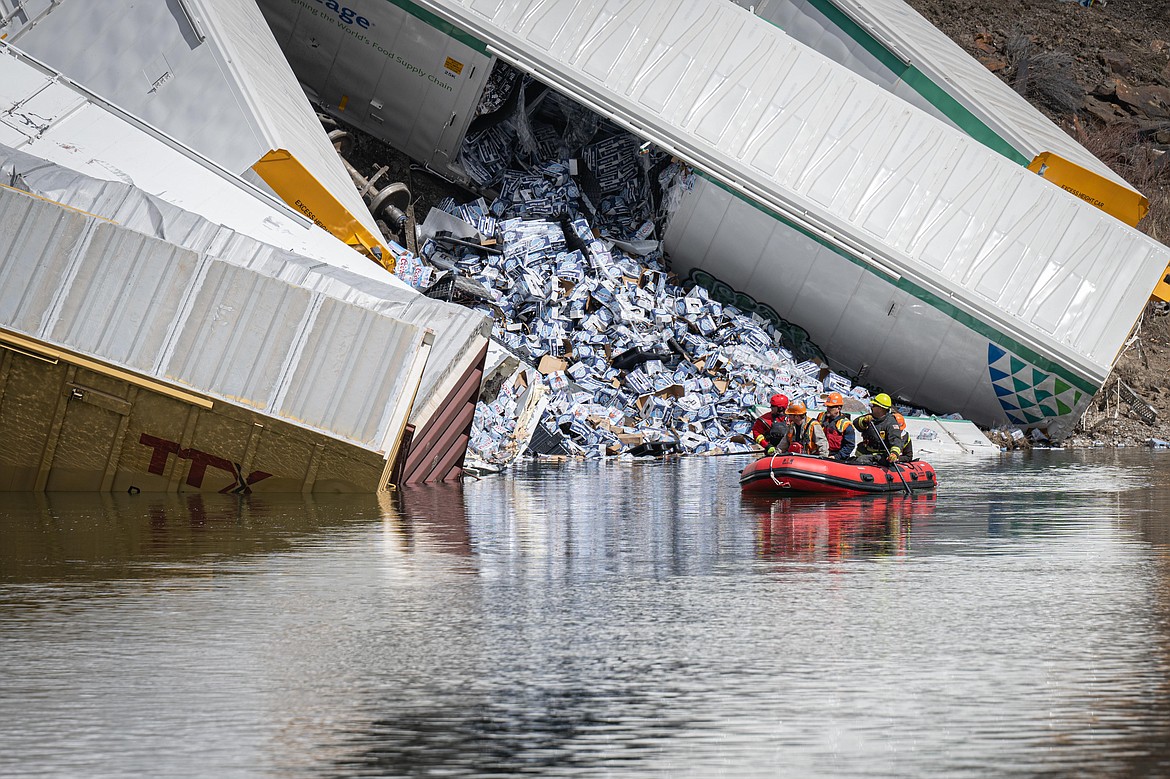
x: 908, y: 449
x: 834, y: 429
x: 771, y: 430
x: 779, y: 431
x: 804, y: 439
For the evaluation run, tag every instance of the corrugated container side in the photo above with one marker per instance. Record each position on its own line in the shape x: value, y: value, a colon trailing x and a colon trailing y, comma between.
x: 237, y: 335
x: 125, y: 298
x: 38, y: 243
x: 355, y: 349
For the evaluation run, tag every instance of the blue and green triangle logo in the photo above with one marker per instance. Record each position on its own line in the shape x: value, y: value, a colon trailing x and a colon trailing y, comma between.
x: 1027, y: 394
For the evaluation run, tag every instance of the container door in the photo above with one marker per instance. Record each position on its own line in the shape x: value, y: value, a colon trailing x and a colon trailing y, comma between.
x: 429, y: 85
x: 90, y: 436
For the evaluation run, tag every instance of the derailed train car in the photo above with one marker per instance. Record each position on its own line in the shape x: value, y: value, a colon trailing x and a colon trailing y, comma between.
x: 916, y: 257
x: 165, y: 326
x: 892, y: 45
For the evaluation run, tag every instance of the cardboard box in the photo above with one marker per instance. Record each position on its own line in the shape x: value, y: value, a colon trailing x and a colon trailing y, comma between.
x: 549, y: 365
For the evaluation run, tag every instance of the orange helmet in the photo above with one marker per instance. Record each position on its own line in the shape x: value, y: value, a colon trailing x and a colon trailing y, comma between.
x: 797, y: 408
x: 834, y: 399
x: 780, y: 401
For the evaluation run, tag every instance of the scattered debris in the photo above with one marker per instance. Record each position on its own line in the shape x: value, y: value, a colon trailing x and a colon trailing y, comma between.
x: 598, y: 349
x: 632, y: 362
x: 1144, y: 411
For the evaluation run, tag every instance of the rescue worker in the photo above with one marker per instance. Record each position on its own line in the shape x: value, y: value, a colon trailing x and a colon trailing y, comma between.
x: 805, y: 434
x: 770, y: 431
x: 838, y: 429
x: 883, y: 432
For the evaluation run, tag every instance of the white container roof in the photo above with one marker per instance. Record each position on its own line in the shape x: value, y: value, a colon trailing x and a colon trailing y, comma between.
x: 890, y: 36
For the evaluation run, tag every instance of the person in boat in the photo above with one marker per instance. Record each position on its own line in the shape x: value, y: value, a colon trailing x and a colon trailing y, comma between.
x: 806, y: 435
x: 770, y: 431
x: 883, y: 432
x: 838, y: 429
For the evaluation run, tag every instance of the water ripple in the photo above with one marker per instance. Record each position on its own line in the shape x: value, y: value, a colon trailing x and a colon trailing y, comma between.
x: 598, y: 620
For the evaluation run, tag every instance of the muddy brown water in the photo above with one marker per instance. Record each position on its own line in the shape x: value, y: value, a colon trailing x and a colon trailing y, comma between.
x: 598, y: 619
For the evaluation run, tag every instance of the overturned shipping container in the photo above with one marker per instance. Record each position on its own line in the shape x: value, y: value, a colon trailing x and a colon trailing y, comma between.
x: 164, y: 325
x: 917, y: 258
x: 208, y: 73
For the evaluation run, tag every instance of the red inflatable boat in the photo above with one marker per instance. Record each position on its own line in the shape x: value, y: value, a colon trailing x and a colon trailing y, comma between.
x: 788, y: 473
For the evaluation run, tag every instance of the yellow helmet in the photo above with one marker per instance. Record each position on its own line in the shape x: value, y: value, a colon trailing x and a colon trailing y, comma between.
x: 882, y: 400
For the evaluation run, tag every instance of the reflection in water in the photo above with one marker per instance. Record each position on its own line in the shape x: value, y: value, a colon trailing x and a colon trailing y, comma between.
x: 66, y: 535
x: 524, y: 728
x: 598, y: 619
x: 439, y: 510
x: 816, y: 530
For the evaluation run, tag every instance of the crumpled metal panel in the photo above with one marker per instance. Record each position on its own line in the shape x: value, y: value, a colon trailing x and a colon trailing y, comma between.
x: 912, y: 199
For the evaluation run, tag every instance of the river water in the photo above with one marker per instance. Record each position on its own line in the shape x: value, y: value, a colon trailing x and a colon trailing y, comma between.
x: 598, y: 619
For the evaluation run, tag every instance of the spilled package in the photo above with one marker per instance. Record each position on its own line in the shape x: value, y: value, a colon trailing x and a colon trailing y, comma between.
x: 628, y: 361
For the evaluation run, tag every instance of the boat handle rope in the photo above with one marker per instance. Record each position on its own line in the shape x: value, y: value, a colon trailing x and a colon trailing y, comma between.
x: 771, y: 472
